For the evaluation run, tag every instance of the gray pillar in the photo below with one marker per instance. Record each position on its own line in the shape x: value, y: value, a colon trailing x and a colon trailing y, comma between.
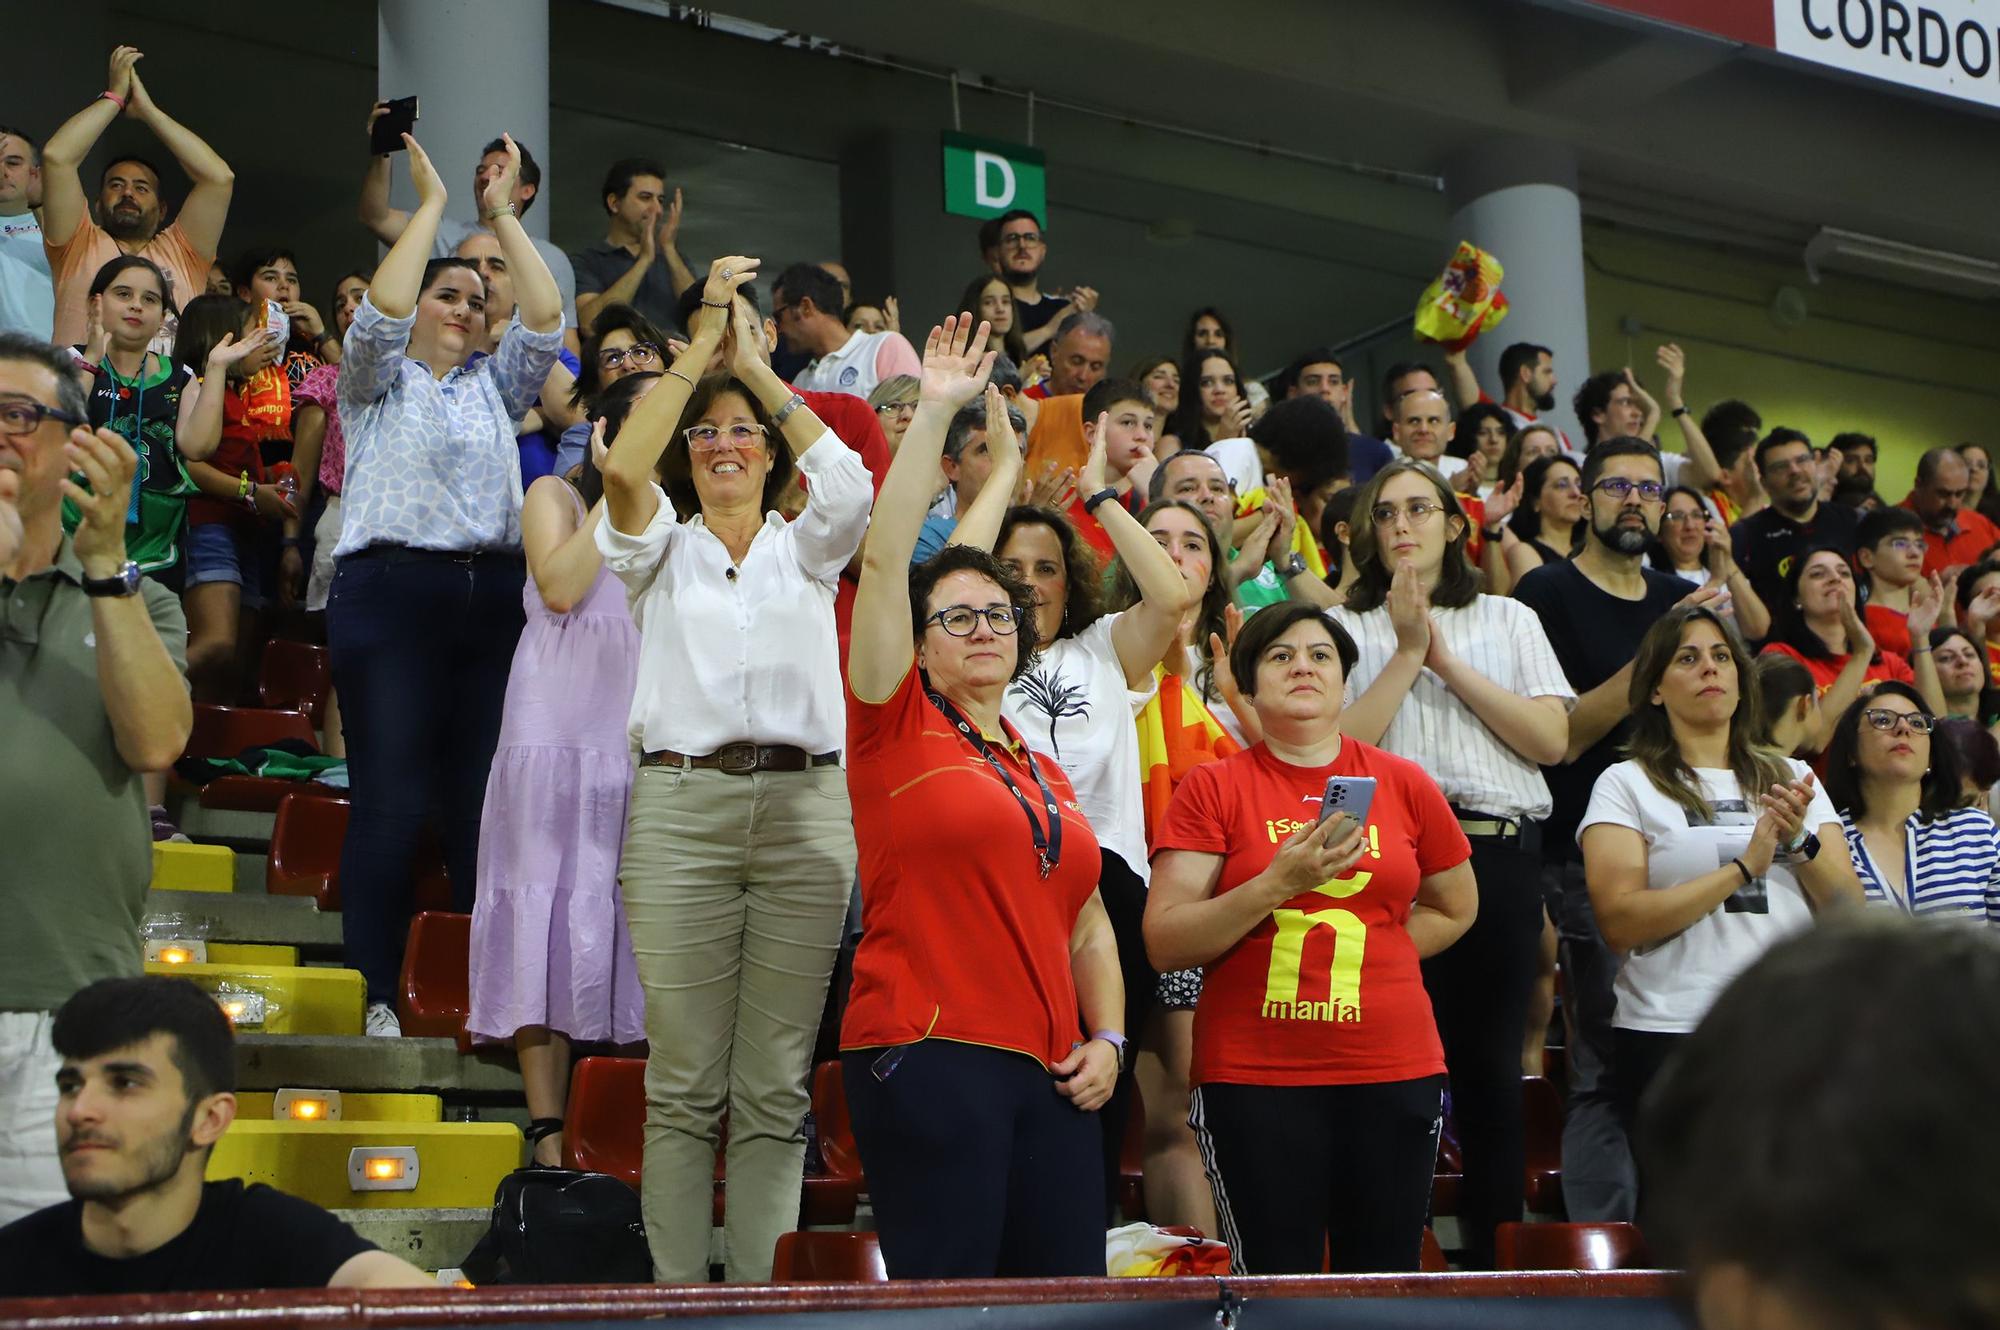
x: 477, y: 67
x: 1516, y: 199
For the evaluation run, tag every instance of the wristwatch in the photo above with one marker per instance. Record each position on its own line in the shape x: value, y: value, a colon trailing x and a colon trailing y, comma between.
x: 1294, y: 565
x: 1117, y: 1041
x: 784, y: 412
x: 124, y: 583
x: 1105, y: 495
x: 1805, y: 849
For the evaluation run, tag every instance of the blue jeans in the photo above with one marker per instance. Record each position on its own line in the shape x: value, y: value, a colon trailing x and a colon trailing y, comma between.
x: 421, y: 647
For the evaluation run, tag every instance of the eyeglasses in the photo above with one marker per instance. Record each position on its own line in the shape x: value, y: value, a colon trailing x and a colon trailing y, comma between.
x: 24, y: 415
x: 1619, y: 488
x: 639, y: 353
x: 1684, y: 515
x: 1565, y: 485
x: 709, y: 439
x: 1884, y: 719
x: 900, y: 408
x: 1910, y: 545
x: 963, y: 620
x: 1418, y: 511
x: 1021, y: 240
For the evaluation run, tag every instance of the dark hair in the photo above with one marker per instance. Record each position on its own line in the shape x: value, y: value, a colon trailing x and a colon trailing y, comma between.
x: 1968, y: 581
x: 970, y: 419
x: 1013, y: 342
x: 1989, y: 693
x: 1156, y: 488
x: 1849, y: 440
x: 531, y: 174
x: 611, y: 405
x: 125, y: 263
x: 1307, y: 441
x: 1845, y: 1076
x: 1626, y: 446
x: 677, y: 465
x: 1273, y: 622
x: 1288, y: 378
x: 1781, y: 680
x: 1016, y: 215
x: 159, y: 176
x: 117, y: 1013
x: 1188, y: 348
x: 1977, y: 752
x: 618, y: 179
x: 610, y: 319
x: 1186, y: 423
x: 1943, y: 782
x: 806, y: 281
x: 1730, y: 444
x: 1777, y: 438
x: 1510, y: 460
x: 1652, y: 744
x: 436, y: 268
x: 1992, y: 487
x: 1517, y: 357
x: 1881, y: 523
x: 1087, y: 322
x: 1145, y: 366
x: 1458, y: 581
x: 1339, y: 508
x: 925, y: 576
x: 70, y: 395
x: 1731, y: 417
x: 1211, y: 614
x: 1592, y: 397
x: 1656, y: 553
x: 1465, y: 435
x: 1403, y: 369
x: 1108, y: 392
x: 205, y: 321
x: 34, y: 148
x: 333, y: 292
x: 256, y: 257
x: 1788, y: 620
x: 1526, y: 521
x: 1083, y: 579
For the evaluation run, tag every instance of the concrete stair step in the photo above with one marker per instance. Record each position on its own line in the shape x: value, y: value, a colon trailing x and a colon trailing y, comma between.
x: 281, y: 999
x: 237, y: 829
x: 453, y: 1164
x: 258, y: 1105
x: 434, y: 1238
x: 185, y: 867
x: 359, y: 1063
x: 292, y: 921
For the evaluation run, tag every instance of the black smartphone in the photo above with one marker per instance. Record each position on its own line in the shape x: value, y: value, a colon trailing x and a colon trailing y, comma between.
x: 400, y: 119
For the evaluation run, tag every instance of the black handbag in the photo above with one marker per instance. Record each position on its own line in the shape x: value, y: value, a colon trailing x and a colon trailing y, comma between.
x: 562, y: 1226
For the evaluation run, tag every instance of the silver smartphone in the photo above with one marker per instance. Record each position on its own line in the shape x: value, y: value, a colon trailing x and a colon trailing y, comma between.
x: 1352, y: 795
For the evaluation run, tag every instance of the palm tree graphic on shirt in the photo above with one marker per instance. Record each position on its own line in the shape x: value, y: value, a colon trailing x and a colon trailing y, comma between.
x: 1052, y: 696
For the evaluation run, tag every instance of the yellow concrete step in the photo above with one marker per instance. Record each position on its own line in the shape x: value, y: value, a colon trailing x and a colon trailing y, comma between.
x: 412, y: 1165
x: 310, y: 1104
x: 253, y: 954
x: 280, y: 999
x: 178, y: 867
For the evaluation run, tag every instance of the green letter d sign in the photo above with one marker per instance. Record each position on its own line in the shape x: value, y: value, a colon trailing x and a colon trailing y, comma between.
x: 984, y: 178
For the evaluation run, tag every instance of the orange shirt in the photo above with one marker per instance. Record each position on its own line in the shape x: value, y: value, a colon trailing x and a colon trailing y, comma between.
x: 1326, y: 990
x: 1890, y: 629
x: 1825, y: 669
x: 962, y: 938
x: 76, y: 262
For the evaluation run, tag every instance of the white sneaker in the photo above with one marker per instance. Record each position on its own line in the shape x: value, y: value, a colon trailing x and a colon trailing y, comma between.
x: 382, y: 1022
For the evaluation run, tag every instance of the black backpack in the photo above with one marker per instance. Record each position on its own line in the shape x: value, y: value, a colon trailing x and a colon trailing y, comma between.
x: 561, y: 1226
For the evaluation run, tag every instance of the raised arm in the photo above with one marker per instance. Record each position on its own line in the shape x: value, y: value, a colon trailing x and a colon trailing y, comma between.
x: 1649, y: 427
x: 399, y: 279
x: 1701, y: 470
x: 64, y: 204
x: 198, y: 429
x: 1143, y: 633
x: 385, y: 222
x: 1464, y: 383
x: 979, y: 524
x: 1926, y: 600
x: 538, y: 299
x: 207, y: 205
x: 956, y: 365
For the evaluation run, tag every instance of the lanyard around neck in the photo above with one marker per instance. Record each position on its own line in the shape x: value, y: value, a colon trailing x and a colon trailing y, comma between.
x: 1048, y: 844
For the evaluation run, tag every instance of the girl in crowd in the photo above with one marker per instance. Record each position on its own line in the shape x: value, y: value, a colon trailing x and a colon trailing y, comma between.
x: 1160, y: 376
x: 1212, y: 405
x: 426, y: 603
x: 319, y: 460
x: 1525, y: 447
x: 1336, y: 523
x: 1481, y: 439
x: 1549, y: 523
x: 1817, y: 623
x: 1208, y: 330
x: 1077, y: 702
x: 1696, y: 549
x: 1963, y: 678
x: 1789, y: 707
x: 1698, y: 791
x: 1900, y: 791
x: 551, y: 960
x: 740, y: 854
x: 1466, y: 686
x: 895, y: 402
x: 236, y: 494
x: 1291, y: 1029
x: 1984, y: 489
x: 978, y: 1164
x: 622, y: 342
x: 990, y: 300
x: 1979, y: 608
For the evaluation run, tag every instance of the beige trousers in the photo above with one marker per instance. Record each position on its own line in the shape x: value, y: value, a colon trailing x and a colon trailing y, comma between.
x: 735, y: 891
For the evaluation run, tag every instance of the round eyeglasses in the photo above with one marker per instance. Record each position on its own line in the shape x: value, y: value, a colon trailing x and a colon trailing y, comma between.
x: 963, y: 620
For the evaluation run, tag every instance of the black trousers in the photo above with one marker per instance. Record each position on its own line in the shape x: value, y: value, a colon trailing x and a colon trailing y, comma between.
x: 976, y: 1165
x: 1480, y: 987
x: 1124, y: 897
x: 421, y: 647
x: 1306, y: 1172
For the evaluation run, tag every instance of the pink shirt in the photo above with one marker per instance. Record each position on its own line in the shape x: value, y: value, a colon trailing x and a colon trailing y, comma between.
x: 76, y: 261
x: 318, y: 387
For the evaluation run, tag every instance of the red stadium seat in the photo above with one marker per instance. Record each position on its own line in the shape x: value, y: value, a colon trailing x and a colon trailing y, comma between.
x: 295, y: 675
x: 1433, y: 1261
x: 227, y: 731
x: 828, y: 1258
x: 1542, y: 1120
x: 831, y: 1196
x: 305, y: 854
x: 1570, y: 1247
x: 1448, y: 1174
x: 437, y: 988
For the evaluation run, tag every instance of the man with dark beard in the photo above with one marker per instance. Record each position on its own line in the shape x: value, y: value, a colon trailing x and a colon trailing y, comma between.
x: 129, y: 207
x: 1019, y: 248
x: 1596, y: 608
x: 147, y: 1086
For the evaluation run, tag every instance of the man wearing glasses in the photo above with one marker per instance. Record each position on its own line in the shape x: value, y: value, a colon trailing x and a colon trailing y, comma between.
x: 1769, y: 539
x: 1020, y: 247
x: 92, y: 692
x: 1943, y: 498
x: 1596, y: 608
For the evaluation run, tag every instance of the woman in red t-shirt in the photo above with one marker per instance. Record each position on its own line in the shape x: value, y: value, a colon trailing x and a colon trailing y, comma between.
x: 1319, y: 1078
x: 985, y: 953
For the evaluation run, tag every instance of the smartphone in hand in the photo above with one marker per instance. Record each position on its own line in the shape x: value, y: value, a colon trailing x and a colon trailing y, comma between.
x: 1352, y: 795
x: 387, y: 135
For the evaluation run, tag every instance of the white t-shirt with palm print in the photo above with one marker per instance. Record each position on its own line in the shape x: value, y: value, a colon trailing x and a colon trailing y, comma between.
x: 1074, y: 706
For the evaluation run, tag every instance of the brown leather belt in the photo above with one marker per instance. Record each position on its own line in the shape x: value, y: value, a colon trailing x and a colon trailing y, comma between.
x: 742, y: 759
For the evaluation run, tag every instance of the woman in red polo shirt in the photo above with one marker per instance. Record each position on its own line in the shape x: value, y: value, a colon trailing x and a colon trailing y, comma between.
x: 985, y: 1023
x: 1318, y: 1075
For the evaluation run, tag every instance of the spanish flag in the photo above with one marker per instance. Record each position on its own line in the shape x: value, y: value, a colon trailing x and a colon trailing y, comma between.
x: 1176, y: 735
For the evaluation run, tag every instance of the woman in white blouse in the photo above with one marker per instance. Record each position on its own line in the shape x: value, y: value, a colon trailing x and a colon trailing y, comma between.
x: 1704, y: 848
x: 739, y: 855
x: 1899, y: 790
x: 1467, y: 686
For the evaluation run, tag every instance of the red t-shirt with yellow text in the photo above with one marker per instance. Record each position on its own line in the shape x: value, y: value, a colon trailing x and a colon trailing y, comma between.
x: 1327, y: 990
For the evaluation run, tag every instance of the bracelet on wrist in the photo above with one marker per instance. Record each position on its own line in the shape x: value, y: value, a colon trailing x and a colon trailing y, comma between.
x: 715, y: 304
x: 504, y: 210
x: 109, y: 96
x: 1748, y: 878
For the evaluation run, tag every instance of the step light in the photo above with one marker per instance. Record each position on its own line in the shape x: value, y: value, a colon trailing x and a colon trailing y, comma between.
x: 306, y: 1105
x: 244, y: 1010
x: 177, y: 952
x: 382, y: 1168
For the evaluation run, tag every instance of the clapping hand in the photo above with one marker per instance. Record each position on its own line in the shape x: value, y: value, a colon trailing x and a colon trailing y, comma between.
x: 11, y: 532
x: 118, y: 80
x: 1095, y: 465
x: 600, y: 451
x: 429, y: 184
x: 232, y: 349
x: 1056, y: 489
x: 1083, y: 299
x: 1860, y: 642
x: 956, y: 362
x: 1501, y: 503
x: 726, y: 276
x: 1674, y: 361
x: 1284, y: 516
x: 1926, y: 603
x: 499, y: 191
x: 107, y: 464
x: 1410, y: 610
x: 892, y: 316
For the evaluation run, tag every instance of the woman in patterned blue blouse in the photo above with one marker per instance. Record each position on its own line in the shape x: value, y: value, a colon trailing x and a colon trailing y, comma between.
x: 426, y: 601
x: 1899, y: 790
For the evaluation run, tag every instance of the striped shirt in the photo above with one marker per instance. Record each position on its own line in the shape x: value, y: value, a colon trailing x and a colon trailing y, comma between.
x: 1503, y: 640
x: 1952, y: 866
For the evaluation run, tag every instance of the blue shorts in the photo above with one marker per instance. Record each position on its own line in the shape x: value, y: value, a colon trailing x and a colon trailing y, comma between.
x: 220, y: 552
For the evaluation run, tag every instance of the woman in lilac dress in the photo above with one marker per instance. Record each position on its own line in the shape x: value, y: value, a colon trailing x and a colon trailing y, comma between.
x: 551, y: 959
